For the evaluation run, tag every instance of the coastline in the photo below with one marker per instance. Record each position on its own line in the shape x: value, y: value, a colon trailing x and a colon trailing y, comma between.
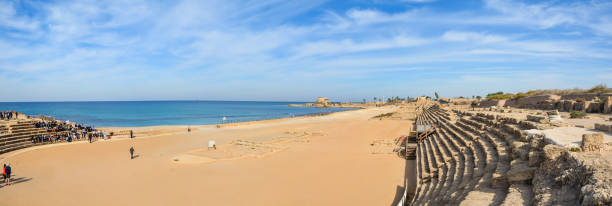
x: 232, y: 124
x: 160, y: 113
x: 320, y: 149
x: 146, y: 132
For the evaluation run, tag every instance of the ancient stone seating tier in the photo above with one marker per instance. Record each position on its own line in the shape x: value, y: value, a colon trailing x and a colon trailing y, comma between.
x: 466, y: 162
x: 19, y: 135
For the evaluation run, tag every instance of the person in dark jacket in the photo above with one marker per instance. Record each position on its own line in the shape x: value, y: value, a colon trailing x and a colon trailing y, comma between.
x: 131, y: 152
x: 7, y: 170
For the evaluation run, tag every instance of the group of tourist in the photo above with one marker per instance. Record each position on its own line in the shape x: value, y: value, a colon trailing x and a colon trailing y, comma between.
x: 6, y: 115
x: 66, y: 132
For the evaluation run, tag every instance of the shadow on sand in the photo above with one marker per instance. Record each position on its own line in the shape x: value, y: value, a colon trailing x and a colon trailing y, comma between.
x: 15, y: 181
x: 399, y: 192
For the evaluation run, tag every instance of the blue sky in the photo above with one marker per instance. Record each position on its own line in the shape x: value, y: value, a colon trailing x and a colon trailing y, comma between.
x: 298, y: 50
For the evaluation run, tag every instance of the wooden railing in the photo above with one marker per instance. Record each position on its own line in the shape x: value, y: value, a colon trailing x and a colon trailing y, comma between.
x: 426, y: 133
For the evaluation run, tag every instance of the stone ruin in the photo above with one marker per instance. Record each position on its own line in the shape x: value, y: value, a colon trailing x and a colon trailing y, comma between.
x: 590, y: 103
x: 474, y: 158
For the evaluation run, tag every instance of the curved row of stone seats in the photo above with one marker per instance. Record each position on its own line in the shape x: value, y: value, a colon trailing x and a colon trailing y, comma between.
x: 531, y: 170
x: 478, y: 155
x: 19, y: 136
x: 430, y: 191
x: 431, y: 188
x: 423, y: 163
x: 426, y: 116
x: 486, y: 189
x: 485, y: 121
x: 420, y: 172
x: 446, y: 168
x: 466, y: 162
x: 3, y: 129
x: 516, y: 174
x: 454, y: 167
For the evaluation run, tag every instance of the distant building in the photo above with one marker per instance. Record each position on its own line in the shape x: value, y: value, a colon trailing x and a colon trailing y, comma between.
x: 322, y: 102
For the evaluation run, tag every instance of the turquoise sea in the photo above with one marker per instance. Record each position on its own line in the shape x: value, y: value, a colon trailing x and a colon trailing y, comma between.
x: 151, y: 113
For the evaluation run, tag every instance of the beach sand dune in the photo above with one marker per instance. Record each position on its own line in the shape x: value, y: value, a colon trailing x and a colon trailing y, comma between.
x: 323, y: 160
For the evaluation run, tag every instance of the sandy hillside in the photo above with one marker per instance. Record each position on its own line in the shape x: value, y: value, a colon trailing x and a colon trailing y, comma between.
x: 323, y: 160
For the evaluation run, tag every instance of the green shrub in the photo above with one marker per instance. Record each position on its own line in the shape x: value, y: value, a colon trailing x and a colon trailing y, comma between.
x: 578, y: 115
x: 519, y: 95
x: 580, y: 99
x: 499, y: 96
x: 552, y: 113
x: 602, y: 88
x: 575, y: 149
x: 384, y: 115
x: 538, y: 113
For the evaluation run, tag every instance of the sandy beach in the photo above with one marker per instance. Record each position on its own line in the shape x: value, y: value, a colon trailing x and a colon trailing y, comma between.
x: 320, y: 160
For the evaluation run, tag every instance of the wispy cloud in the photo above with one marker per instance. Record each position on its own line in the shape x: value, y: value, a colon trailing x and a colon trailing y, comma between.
x: 122, y: 49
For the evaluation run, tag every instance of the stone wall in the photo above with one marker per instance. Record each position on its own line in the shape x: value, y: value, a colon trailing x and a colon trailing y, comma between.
x: 489, y: 103
x: 587, y: 97
x: 595, y: 103
x: 572, y: 178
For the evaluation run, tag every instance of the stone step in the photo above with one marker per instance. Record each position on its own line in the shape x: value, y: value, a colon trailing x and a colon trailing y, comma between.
x: 420, y: 167
x: 435, y: 152
x: 433, y: 170
x: 442, y: 169
x: 419, y: 171
x: 479, y: 157
x: 14, y: 147
x: 465, y: 162
x: 519, y: 195
x: 452, y: 171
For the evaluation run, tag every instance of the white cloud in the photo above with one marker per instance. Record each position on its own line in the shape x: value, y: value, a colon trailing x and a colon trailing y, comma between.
x: 472, y: 36
x: 345, y: 46
x: 10, y: 19
x: 195, y: 42
x: 418, y: 1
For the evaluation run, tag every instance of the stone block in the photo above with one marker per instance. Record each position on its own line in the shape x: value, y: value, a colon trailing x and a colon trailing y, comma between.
x: 581, y: 106
x: 603, y: 127
x: 592, y: 142
x: 535, y: 158
x: 499, y: 181
x: 538, y: 119
x: 568, y: 105
x: 536, y: 141
x: 594, y: 107
x: 520, y: 150
x: 520, y: 172
x: 552, y: 152
x: 607, y: 105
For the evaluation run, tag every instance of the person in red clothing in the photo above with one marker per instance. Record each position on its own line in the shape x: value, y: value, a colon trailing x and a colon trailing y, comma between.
x: 4, y: 173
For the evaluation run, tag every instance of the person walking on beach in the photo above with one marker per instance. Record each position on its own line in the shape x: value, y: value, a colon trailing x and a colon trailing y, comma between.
x: 131, y: 134
x: 131, y: 152
x: 7, y: 170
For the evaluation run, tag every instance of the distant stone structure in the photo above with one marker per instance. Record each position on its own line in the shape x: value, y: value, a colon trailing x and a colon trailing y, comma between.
x: 322, y: 102
x: 591, y: 103
x: 325, y: 102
